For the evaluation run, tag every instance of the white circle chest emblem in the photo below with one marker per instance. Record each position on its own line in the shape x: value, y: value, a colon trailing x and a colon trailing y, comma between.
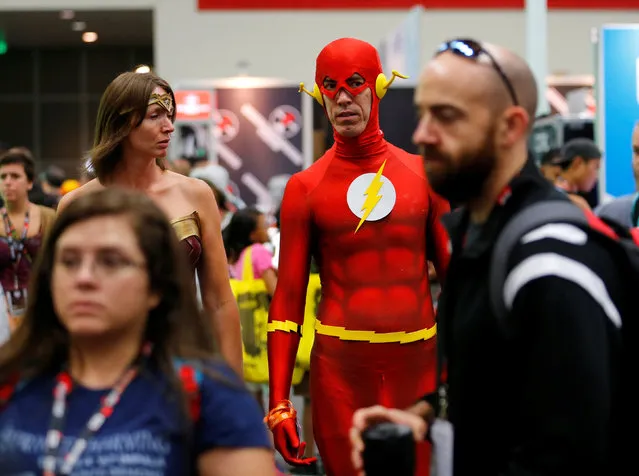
x: 371, y: 196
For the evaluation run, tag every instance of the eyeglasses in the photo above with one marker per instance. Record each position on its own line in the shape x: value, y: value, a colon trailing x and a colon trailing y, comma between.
x: 473, y: 50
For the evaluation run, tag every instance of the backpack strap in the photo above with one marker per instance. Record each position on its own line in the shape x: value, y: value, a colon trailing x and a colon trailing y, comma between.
x: 191, y: 379
x: 528, y: 219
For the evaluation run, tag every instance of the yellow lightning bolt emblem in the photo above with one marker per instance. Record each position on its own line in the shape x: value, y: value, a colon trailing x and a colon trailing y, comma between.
x: 372, y: 196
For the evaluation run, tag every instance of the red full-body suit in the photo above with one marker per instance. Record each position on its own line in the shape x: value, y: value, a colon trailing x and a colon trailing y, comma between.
x: 374, y: 341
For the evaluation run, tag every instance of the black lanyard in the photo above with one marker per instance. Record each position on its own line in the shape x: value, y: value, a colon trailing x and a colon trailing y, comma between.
x: 55, y: 434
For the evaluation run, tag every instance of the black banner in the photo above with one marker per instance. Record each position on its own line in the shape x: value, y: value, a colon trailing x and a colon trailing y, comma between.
x: 258, y: 135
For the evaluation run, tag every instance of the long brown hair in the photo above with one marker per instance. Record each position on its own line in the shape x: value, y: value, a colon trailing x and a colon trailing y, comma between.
x: 176, y: 327
x: 122, y: 109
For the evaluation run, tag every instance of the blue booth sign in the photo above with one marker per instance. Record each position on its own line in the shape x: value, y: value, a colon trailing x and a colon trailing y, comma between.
x: 618, y: 104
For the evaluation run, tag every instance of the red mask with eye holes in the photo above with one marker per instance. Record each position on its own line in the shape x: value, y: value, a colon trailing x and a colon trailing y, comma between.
x: 339, y: 60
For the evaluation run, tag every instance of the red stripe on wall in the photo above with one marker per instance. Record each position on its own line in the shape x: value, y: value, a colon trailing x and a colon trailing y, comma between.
x: 403, y: 4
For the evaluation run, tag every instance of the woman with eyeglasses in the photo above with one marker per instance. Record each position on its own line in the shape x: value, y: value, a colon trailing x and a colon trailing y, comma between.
x: 132, y: 134
x: 112, y: 370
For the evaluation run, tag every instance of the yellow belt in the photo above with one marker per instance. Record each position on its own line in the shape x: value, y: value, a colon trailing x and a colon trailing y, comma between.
x: 375, y: 337
x: 361, y: 336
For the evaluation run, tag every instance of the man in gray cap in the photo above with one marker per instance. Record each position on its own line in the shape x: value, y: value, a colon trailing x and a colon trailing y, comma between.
x: 580, y: 162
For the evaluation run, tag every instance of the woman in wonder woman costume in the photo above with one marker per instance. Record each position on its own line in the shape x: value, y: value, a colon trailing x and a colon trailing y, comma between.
x: 133, y: 130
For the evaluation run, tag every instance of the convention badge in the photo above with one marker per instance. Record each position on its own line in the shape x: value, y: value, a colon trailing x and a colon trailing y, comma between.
x: 16, y: 302
x: 442, y: 435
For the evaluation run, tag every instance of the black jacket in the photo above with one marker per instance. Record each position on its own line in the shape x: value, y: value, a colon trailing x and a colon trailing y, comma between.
x: 535, y: 400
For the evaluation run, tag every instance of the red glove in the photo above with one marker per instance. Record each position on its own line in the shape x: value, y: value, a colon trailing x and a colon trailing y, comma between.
x: 282, y: 421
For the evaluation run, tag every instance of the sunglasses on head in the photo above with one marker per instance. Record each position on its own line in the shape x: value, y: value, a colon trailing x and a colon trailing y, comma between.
x: 473, y: 50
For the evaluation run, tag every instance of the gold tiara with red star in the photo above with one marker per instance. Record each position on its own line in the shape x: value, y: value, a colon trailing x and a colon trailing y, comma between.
x: 164, y: 100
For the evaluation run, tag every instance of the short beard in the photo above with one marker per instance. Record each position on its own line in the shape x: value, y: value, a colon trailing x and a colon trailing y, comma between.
x: 464, y: 178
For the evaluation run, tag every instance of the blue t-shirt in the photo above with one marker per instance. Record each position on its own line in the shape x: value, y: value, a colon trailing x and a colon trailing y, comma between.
x: 146, y: 434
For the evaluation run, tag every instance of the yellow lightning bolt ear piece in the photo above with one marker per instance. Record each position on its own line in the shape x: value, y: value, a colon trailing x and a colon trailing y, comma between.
x: 382, y: 84
x: 316, y: 94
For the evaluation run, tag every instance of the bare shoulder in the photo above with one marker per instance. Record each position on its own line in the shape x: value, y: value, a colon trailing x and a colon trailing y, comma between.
x: 195, y: 191
x: 193, y: 188
x: 91, y: 186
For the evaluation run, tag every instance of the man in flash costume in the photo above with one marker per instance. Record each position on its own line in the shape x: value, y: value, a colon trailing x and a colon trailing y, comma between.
x: 366, y: 213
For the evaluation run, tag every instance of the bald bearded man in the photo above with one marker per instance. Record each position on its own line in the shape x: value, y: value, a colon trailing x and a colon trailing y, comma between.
x: 532, y: 394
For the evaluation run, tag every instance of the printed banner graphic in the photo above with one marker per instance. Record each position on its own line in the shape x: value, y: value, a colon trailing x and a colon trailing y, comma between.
x: 258, y: 135
x: 193, y: 105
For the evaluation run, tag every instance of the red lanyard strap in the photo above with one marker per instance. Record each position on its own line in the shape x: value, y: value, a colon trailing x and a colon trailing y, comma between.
x: 55, y: 434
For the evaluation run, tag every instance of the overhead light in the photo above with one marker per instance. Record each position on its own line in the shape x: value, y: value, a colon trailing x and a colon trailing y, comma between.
x: 67, y: 15
x: 89, y: 36
x: 143, y: 69
x: 78, y: 26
